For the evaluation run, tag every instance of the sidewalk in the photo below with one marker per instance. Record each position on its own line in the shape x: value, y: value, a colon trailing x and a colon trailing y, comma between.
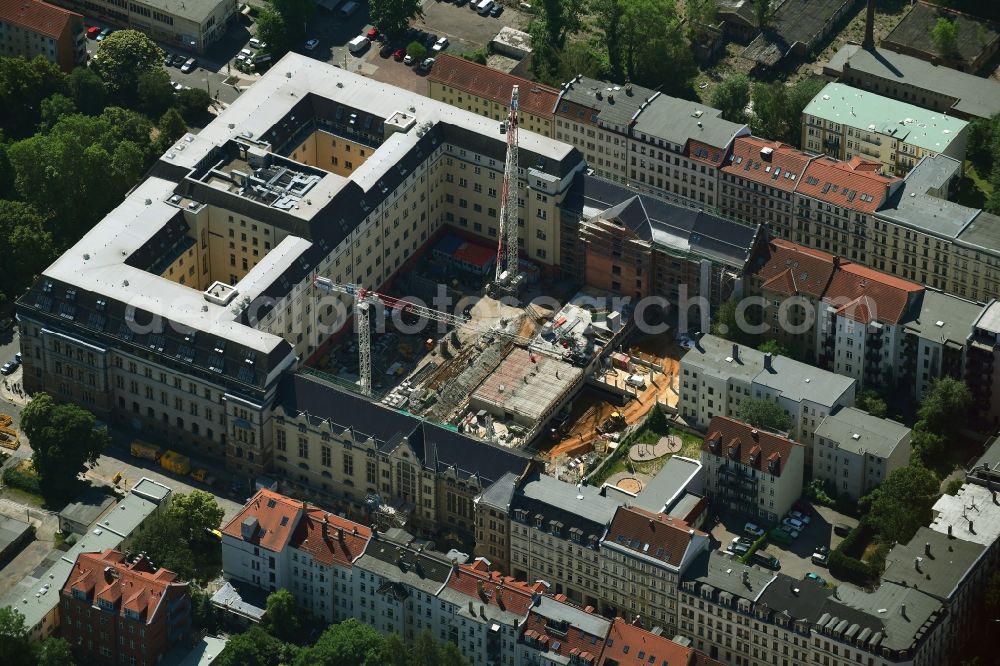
x: 12, y: 391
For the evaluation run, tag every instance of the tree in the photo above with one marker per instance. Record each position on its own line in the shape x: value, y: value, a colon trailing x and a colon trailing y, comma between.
x: 255, y: 647
x: 154, y: 92
x: 773, y: 347
x: 944, y: 34
x: 178, y: 539
x: 54, y: 652
x: 349, y: 642
x: 777, y: 109
x: 699, y: 15
x: 416, y: 50
x: 171, y: 128
x: 282, y: 24
x: 763, y: 13
x: 281, y: 618
x: 872, y: 402
x: 902, y: 503
x: 926, y: 448
x: 764, y: 414
x: 203, y: 615
x: 64, y: 438
x: 727, y: 324
x: 54, y: 107
x: 23, y: 86
x: 945, y: 404
x: 556, y: 21
x: 29, y: 246
x: 393, y: 16
x: 87, y: 90
x: 15, y: 647
x: 192, y: 103
x: 167, y: 541
x: 197, y: 510
x: 123, y: 57
x: 426, y: 651
x: 732, y: 97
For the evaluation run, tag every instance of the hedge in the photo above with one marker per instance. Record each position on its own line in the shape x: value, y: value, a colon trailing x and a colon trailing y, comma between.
x: 17, y: 479
x: 851, y: 568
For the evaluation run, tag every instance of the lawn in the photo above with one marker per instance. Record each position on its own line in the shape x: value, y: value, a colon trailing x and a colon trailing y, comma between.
x: 690, y: 448
x: 973, y: 189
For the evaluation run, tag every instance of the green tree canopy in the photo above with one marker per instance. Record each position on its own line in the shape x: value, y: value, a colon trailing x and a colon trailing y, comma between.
x: 729, y: 325
x: 123, y: 57
x: 54, y: 107
x: 732, y: 97
x: 763, y: 13
x: 393, y: 16
x: 87, y: 90
x: 898, y: 507
x: 764, y: 414
x: 23, y: 86
x: 282, y: 24
x: 29, y: 246
x: 154, y: 92
x: 198, y: 510
x: 15, y: 648
x: 171, y: 128
x: 946, y: 403
x: 177, y: 538
x: 777, y: 108
x: 54, y: 652
x: 944, y: 34
x: 64, y: 438
x: 349, y: 642
x: 873, y: 403
x: 192, y: 103
x: 773, y: 347
x: 281, y: 618
x: 699, y: 15
x: 256, y: 647
x: 555, y: 21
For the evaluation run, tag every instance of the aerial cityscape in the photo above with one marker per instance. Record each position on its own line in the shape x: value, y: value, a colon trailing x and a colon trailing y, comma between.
x: 499, y: 333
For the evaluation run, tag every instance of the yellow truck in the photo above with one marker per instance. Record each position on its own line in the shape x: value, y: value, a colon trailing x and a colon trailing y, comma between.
x: 143, y: 450
x: 175, y: 462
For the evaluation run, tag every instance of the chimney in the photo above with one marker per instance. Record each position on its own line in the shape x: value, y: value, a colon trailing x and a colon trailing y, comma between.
x: 916, y: 563
x: 902, y: 607
x: 767, y: 361
x: 949, y: 532
x: 736, y: 352
x: 326, y: 531
x: 971, y: 531
x: 836, y: 261
x: 340, y: 534
x: 869, y: 42
x: 927, y: 549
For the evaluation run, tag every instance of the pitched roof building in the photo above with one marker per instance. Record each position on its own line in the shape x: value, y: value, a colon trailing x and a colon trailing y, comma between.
x: 31, y: 28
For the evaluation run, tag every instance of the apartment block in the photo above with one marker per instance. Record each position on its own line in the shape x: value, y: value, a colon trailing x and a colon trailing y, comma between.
x: 843, y: 122
x: 555, y: 533
x: 751, y: 472
x: 277, y: 542
x: 642, y: 557
x: 556, y: 632
x: 486, y: 92
x: 717, y: 375
x: 31, y: 28
x: 117, y: 610
x: 492, y: 516
x: 191, y: 28
x: 855, y: 451
x: 181, y: 311
x: 982, y: 363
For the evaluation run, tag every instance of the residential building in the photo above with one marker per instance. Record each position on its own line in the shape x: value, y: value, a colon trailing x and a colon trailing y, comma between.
x: 31, y: 28
x: 557, y: 633
x: 855, y: 451
x: 555, y: 531
x: 115, y: 530
x: 750, y: 471
x: 277, y: 542
x: 346, y: 452
x: 492, y: 515
x: 642, y: 557
x: 639, y: 245
x: 982, y: 364
x: 181, y: 311
x: 916, y: 81
x: 189, y: 26
x: 631, y: 645
x: 596, y: 116
x: 842, y: 122
x: 978, y: 39
x: 486, y: 92
x: 717, y: 375
x: 795, y: 31
x: 676, y: 148
x: 117, y: 611
x: 396, y: 584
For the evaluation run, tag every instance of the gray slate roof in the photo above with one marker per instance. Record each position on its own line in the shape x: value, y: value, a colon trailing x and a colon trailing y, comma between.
x: 879, y: 616
x: 424, y: 570
x: 858, y: 431
x: 677, y: 120
x: 944, y: 318
x: 941, y: 567
x: 615, y: 106
x: 725, y: 574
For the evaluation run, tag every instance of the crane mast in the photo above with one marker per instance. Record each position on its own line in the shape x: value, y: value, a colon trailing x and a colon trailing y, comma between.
x: 507, y: 268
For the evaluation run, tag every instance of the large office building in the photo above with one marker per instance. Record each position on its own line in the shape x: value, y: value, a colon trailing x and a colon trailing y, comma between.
x: 181, y: 311
x: 32, y: 28
x: 191, y: 26
x: 843, y: 122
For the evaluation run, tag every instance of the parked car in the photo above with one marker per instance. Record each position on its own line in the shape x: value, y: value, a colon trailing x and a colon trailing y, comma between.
x: 840, y: 529
x: 743, y: 540
x: 372, y: 33
x: 739, y: 549
x: 244, y: 54
x: 93, y: 31
x: 176, y: 86
x: 816, y: 577
x: 801, y: 517
x: 792, y: 523
x: 386, y: 50
x: 785, y: 534
x: 440, y: 45
x: 496, y: 10
x: 10, y: 367
x: 103, y: 34
x: 398, y: 55
x: 256, y: 43
x: 408, y: 59
x: 168, y: 60
x: 17, y: 357
x: 766, y: 560
x: 189, y: 65
x: 820, y: 558
x: 311, y: 44
x: 753, y: 530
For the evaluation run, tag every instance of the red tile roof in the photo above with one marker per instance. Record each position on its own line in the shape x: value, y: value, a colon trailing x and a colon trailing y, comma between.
x: 787, y: 268
x: 343, y: 541
x: 276, y: 517
x: 747, y: 445
x: 629, y: 645
x: 486, y: 82
x: 134, y: 586
x: 575, y: 642
x: 854, y: 184
x: 655, y: 535
x: 35, y: 16
x: 749, y: 160
x: 476, y: 581
x: 703, y: 152
x: 866, y: 295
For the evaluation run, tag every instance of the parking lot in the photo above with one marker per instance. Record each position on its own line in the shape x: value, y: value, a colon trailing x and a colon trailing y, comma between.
x: 796, y: 558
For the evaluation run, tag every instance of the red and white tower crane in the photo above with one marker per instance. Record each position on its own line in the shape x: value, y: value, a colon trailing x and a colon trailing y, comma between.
x: 507, y: 274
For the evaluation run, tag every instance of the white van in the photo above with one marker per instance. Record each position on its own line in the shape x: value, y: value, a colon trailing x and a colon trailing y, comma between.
x: 484, y: 6
x: 348, y: 9
x: 358, y: 44
x: 636, y: 381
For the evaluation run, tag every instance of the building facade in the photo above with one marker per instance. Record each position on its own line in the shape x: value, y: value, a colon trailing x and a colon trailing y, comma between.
x: 752, y: 472
x: 33, y: 28
x: 855, y: 451
x: 115, y: 610
x: 982, y: 363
